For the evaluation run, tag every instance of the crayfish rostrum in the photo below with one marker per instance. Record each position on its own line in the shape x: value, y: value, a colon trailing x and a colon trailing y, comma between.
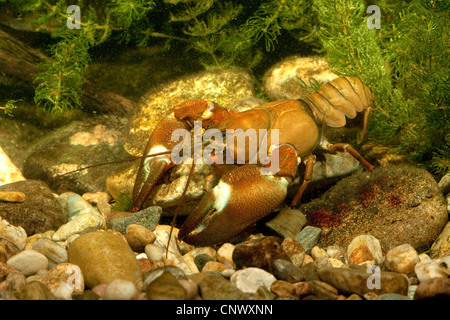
x: 244, y: 193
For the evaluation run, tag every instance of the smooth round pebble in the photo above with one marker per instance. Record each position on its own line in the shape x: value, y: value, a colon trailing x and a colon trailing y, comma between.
x: 248, y: 280
x: 120, y: 289
x: 138, y: 237
x: 28, y: 262
x: 402, y: 259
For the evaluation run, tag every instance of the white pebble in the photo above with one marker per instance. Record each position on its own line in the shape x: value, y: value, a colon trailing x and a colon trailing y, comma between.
x: 444, y: 264
x: 51, y: 250
x: 428, y: 270
x: 317, y: 252
x: 16, y: 235
x: 120, y: 289
x: 225, y: 254
x: 250, y: 279
x: 28, y: 262
x: 64, y: 291
x: 79, y: 224
x: 402, y: 259
x: 368, y: 241
x: 154, y: 253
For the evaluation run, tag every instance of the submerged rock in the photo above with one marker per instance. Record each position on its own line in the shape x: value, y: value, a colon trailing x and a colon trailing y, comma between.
x: 74, y: 146
x: 283, y: 80
x: 396, y: 204
x: 104, y: 256
x: 39, y: 212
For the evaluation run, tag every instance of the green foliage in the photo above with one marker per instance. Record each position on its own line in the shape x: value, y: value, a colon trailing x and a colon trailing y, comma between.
x: 123, y: 203
x: 9, y: 106
x: 59, y: 85
x: 223, y: 33
x: 405, y: 64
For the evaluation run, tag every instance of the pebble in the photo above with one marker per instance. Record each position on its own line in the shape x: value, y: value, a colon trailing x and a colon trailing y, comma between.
x: 166, y: 287
x: 35, y: 290
x: 444, y: 264
x: 212, y: 266
x: 259, y: 253
x: 120, y: 289
x: 308, y: 237
x: 144, y: 263
x: 154, y: 252
x: 104, y: 256
x: 282, y: 288
x: 74, y: 205
x: 12, y: 196
x: 7, y: 250
x: 215, y: 287
x: 392, y: 296
x: 317, y: 252
x: 322, y: 291
x: 28, y: 262
x: 348, y: 281
x: 309, y: 271
x: 433, y: 288
x: 190, y: 287
x: 68, y: 273
x: 15, y: 234
x: 51, y: 250
x: 15, y: 281
x: 286, y: 271
x: 225, y: 254
x: 441, y: 246
x: 64, y: 291
x: 201, y: 260
x: 364, y: 248
x: 248, y: 280
x: 148, y: 218
x: 80, y: 224
x: 426, y: 270
x: 138, y: 237
x: 100, y: 289
x: 402, y: 259
x: 287, y: 223
x: 294, y: 250
x: 152, y: 275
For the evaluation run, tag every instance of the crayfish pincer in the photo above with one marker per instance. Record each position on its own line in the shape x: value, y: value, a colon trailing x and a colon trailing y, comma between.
x: 258, y: 152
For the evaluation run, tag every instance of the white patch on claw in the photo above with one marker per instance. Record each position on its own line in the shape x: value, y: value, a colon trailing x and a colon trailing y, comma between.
x: 222, y: 194
x: 154, y: 150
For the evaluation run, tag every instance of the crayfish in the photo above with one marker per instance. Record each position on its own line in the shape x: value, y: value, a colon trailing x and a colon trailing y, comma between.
x: 250, y: 189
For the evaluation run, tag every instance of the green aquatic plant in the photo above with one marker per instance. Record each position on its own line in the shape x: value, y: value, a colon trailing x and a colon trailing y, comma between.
x: 405, y: 64
x: 9, y: 106
x: 222, y: 33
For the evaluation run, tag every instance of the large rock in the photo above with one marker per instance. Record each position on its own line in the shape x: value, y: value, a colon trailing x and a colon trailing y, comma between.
x: 38, y: 213
x: 282, y: 81
x: 104, y: 256
x: 396, y: 204
x: 74, y: 146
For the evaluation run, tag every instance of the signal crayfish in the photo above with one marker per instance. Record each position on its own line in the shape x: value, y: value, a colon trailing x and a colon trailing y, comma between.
x: 251, y: 187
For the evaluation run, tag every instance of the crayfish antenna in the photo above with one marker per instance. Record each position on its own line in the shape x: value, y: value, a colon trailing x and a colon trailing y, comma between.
x: 115, y: 161
x: 178, y: 208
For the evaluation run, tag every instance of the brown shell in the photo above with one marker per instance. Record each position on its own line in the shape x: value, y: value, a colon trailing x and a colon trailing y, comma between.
x: 339, y: 99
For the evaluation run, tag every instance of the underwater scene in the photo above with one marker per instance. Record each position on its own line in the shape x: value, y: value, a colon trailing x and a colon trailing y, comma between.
x: 253, y: 150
